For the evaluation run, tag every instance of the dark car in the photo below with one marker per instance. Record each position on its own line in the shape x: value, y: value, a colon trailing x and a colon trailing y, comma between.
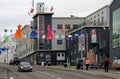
x: 24, y: 66
x: 11, y: 62
x: 16, y: 60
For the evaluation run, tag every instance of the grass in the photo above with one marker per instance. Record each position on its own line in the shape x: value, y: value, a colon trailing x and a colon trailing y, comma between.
x: 72, y: 67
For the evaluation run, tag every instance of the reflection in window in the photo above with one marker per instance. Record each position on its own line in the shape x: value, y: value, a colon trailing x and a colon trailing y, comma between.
x: 116, y: 28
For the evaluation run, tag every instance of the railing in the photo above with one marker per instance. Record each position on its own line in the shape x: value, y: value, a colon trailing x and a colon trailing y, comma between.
x: 89, y: 24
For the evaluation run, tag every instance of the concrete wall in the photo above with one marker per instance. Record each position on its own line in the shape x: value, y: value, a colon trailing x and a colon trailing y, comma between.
x: 63, y: 21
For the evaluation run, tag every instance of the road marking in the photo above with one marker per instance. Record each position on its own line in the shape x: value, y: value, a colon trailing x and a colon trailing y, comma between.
x: 11, y: 77
x: 50, y: 75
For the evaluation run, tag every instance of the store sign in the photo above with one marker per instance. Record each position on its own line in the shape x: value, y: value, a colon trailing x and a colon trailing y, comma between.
x: 40, y: 7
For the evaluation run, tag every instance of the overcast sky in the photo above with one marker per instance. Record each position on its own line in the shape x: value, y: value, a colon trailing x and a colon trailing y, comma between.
x: 14, y: 12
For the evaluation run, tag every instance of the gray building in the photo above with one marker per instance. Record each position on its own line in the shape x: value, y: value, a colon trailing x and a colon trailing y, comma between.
x: 115, y: 29
x: 95, y: 43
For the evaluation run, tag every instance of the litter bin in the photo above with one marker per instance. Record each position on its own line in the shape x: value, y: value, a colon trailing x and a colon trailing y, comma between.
x: 78, y: 65
x: 65, y: 64
x: 81, y: 64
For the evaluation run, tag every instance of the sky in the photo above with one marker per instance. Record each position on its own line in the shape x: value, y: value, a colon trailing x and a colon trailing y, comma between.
x: 14, y: 12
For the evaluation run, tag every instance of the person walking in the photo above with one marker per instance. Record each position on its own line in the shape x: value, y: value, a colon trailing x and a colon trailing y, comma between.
x: 81, y: 64
x: 87, y: 63
x: 106, y: 62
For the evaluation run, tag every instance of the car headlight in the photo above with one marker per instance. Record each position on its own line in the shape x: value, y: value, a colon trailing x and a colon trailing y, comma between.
x: 118, y: 61
x: 21, y: 67
x: 30, y: 66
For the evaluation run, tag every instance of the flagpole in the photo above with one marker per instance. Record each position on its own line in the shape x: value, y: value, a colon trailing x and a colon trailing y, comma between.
x: 33, y: 6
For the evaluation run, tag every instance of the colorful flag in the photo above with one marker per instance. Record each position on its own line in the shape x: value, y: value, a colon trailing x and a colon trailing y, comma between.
x: 32, y: 10
x: 5, y: 30
x: 49, y: 33
x: 6, y: 38
x: 51, y: 9
x: 17, y: 35
x: 33, y: 34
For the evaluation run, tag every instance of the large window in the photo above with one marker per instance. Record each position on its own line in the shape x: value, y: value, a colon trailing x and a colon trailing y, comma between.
x: 67, y: 26
x: 116, y: 29
x: 59, y: 26
x: 75, y: 26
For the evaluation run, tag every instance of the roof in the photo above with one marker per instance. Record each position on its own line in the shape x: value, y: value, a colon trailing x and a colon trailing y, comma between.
x: 98, y: 10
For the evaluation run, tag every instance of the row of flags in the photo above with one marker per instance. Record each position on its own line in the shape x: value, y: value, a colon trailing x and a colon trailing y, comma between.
x: 5, y: 49
x: 31, y: 10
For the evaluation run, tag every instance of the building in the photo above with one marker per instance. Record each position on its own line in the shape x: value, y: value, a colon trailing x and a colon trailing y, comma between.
x: 94, y: 43
x: 10, y: 49
x: 25, y: 45
x: 61, y: 25
x: 115, y: 29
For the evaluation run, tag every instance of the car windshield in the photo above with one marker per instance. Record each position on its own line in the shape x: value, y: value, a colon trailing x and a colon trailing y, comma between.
x: 25, y: 63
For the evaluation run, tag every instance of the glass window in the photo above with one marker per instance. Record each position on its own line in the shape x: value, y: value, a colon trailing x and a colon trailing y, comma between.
x: 59, y: 26
x: 116, y: 28
x: 98, y: 14
x: 58, y: 54
x: 98, y: 21
x: 63, y: 54
x: 75, y: 26
x: 59, y: 42
x: 102, y: 19
x: 102, y: 12
x: 67, y: 26
x: 94, y: 22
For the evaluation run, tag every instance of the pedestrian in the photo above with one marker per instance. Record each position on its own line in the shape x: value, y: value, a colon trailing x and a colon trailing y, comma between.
x: 87, y: 63
x: 106, y: 62
x: 81, y: 64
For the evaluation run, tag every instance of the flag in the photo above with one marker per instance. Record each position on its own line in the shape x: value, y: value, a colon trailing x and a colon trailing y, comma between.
x: 17, y: 34
x: 49, y: 33
x: 4, y: 49
x: 5, y: 30
x: 33, y: 34
x: 6, y: 38
x: 11, y: 31
x: 31, y: 10
x: 51, y: 9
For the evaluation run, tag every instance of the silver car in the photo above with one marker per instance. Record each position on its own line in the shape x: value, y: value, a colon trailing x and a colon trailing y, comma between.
x: 24, y: 66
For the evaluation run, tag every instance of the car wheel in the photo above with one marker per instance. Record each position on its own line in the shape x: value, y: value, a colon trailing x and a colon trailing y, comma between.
x: 31, y: 70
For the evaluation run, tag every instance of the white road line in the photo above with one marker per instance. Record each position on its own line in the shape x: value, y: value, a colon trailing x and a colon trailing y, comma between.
x: 11, y: 77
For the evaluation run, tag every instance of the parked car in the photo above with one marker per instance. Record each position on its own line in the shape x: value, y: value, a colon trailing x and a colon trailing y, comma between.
x: 24, y: 66
x: 116, y: 64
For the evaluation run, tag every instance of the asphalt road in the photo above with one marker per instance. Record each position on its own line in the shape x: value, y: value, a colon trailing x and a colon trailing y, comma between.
x: 40, y: 72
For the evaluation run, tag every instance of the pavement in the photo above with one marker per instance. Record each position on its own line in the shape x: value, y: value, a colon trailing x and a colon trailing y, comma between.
x: 115, y: 74
x: 3, y: 73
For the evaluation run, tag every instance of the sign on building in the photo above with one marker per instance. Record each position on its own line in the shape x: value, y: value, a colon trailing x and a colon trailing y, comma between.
x: 81, y: 42
x: 93, y: 36
x: 40, y: 7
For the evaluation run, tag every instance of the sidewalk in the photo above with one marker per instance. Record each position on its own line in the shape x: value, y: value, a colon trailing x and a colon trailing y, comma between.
x: 3, y: 73
x: 99, y: 72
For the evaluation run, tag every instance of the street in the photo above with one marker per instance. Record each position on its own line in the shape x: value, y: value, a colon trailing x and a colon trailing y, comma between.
x: 46, y: 72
